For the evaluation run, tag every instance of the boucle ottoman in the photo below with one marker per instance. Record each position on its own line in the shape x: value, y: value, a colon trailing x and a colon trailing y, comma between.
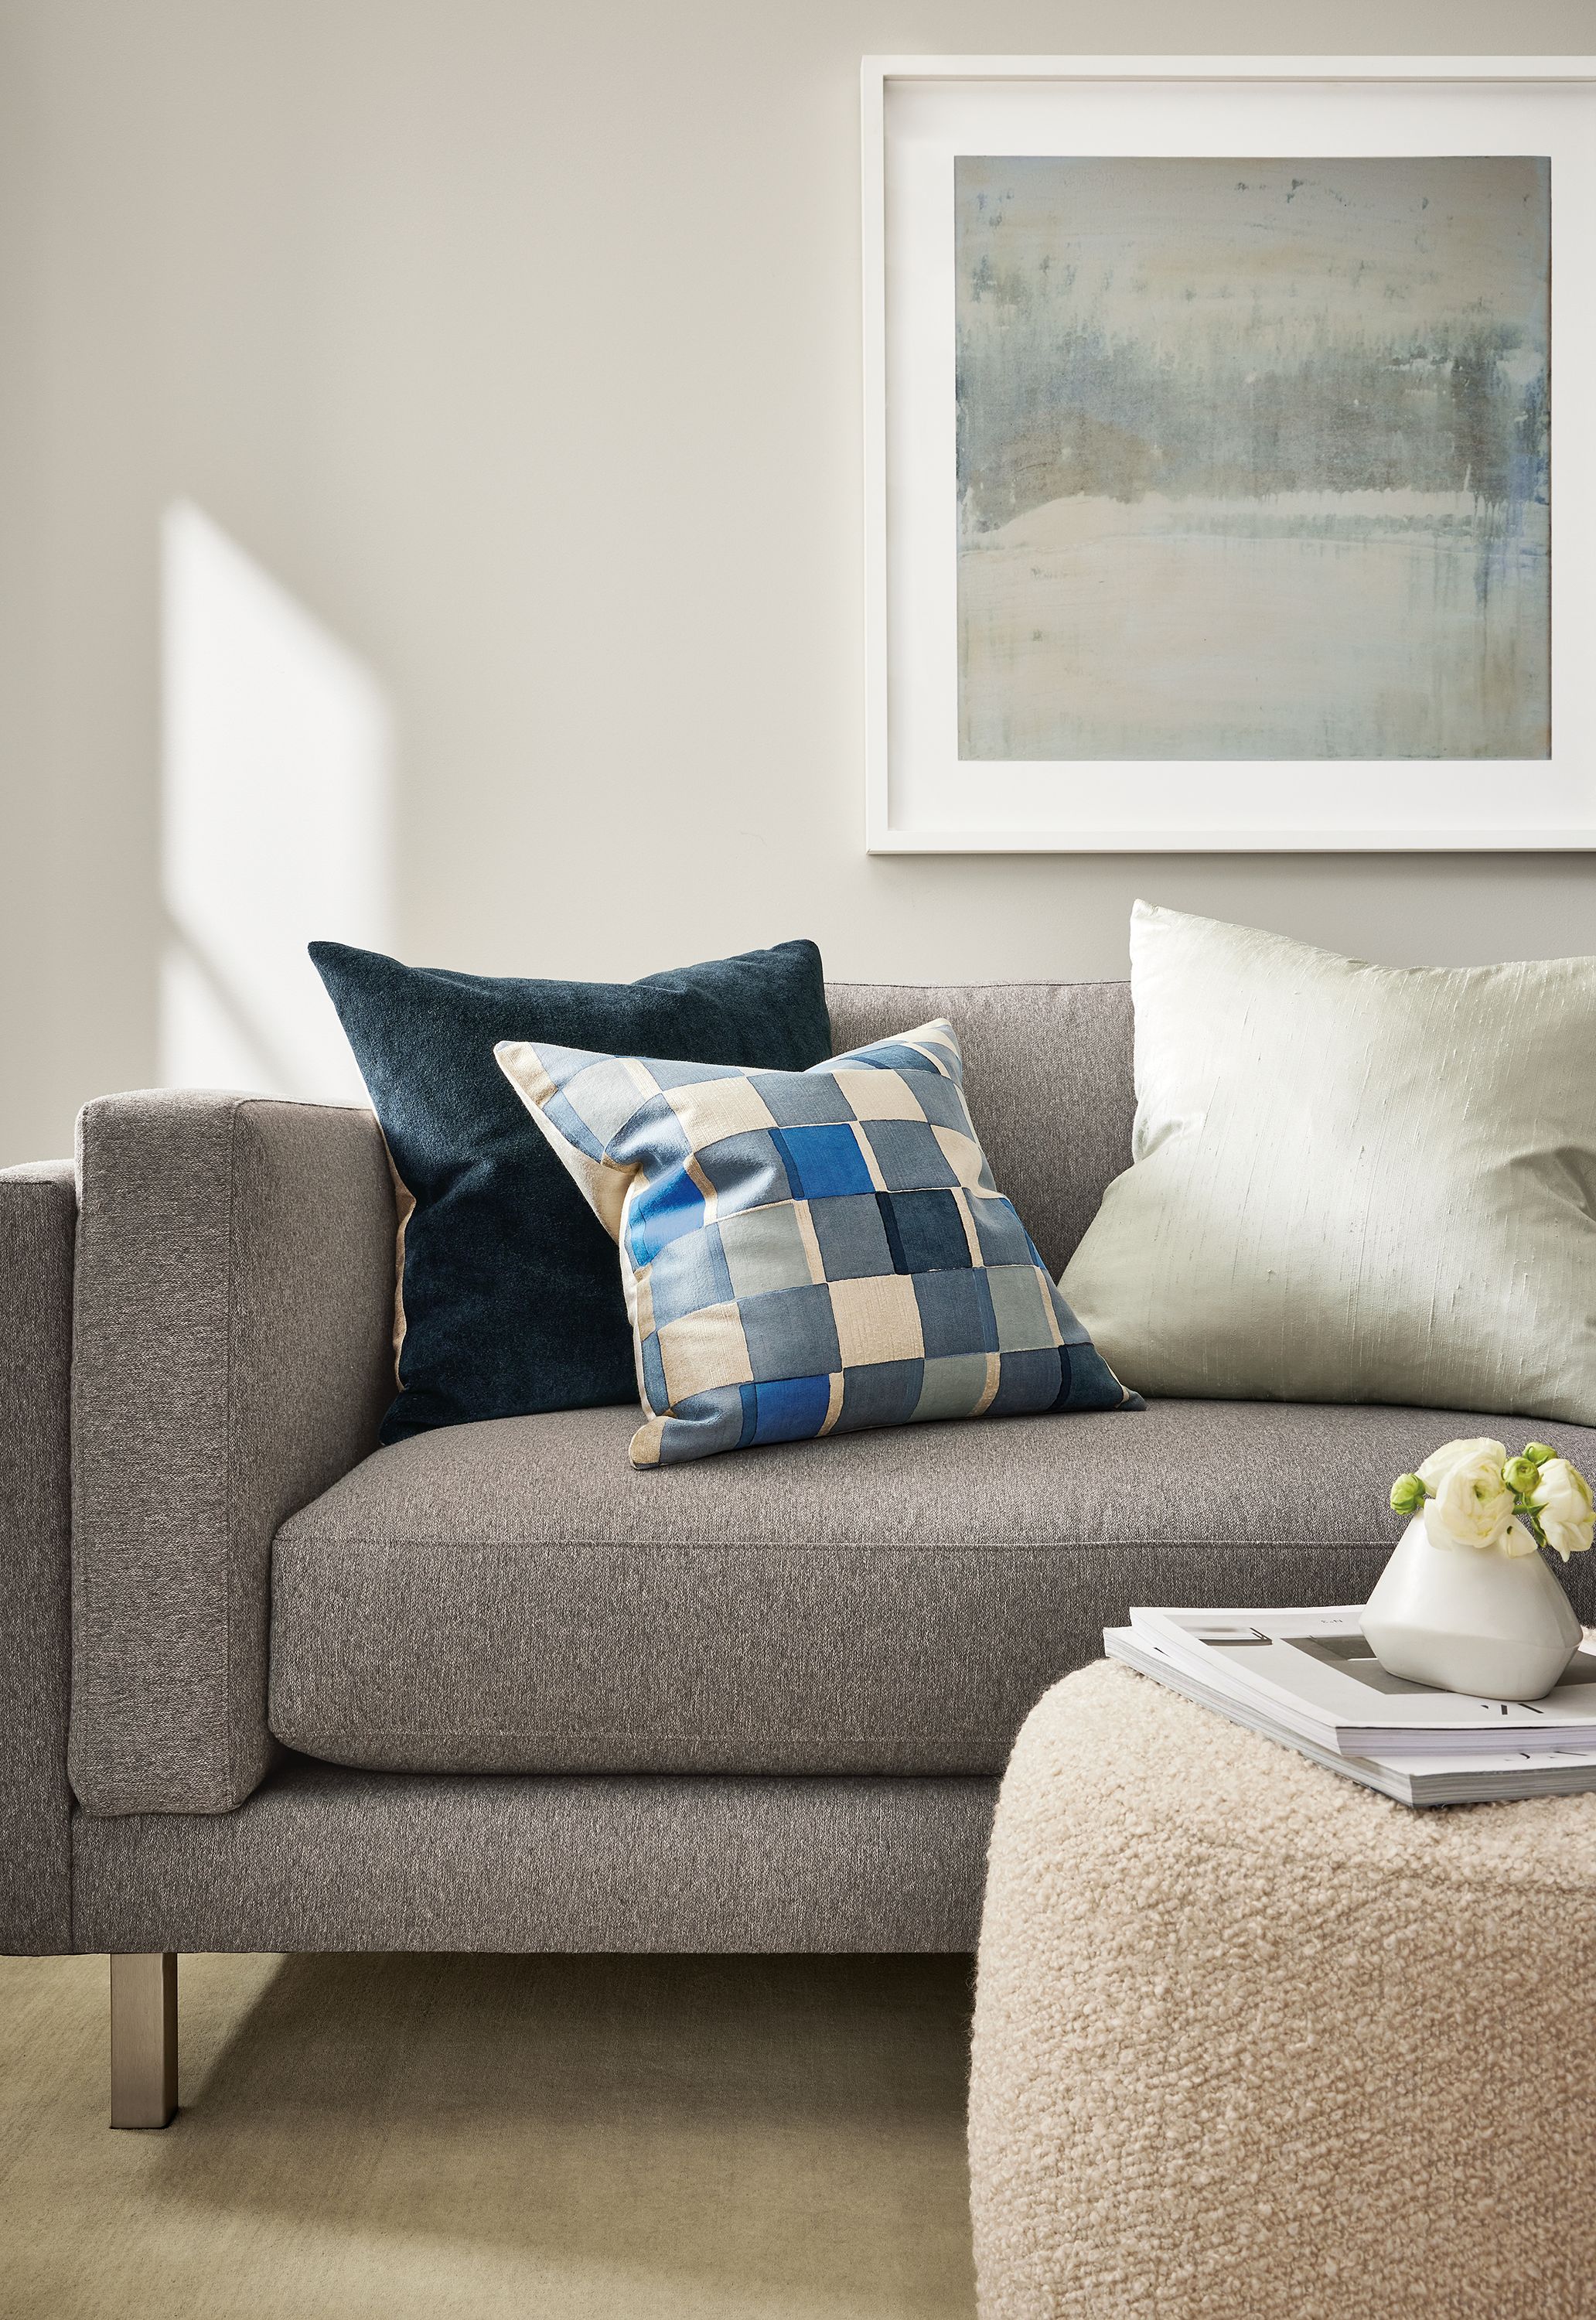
x: 1251, y: 2041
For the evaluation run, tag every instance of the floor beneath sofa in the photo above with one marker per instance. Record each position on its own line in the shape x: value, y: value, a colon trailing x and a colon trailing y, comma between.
x: 627, y: 2138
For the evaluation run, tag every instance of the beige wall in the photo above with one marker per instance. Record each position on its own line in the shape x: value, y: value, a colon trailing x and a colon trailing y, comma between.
x: 520, y: 343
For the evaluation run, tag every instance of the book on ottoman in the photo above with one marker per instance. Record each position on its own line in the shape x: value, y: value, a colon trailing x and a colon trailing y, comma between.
x: 1307, y: 1677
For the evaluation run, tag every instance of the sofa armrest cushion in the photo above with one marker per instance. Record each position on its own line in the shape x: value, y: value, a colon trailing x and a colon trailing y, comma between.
x: 233, y: 1356
x: 38, y: 1209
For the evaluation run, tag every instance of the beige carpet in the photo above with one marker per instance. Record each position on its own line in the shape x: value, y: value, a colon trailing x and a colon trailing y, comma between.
x: 556, y: 2138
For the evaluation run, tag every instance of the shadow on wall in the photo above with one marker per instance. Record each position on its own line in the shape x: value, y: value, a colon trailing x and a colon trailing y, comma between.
x: 277, y: 812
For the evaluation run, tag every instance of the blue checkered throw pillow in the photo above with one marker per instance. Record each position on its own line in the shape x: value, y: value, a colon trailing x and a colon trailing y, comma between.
x: 807, y: 1253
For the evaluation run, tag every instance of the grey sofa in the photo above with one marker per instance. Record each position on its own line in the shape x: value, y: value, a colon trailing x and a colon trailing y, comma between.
x: 265, y: 1687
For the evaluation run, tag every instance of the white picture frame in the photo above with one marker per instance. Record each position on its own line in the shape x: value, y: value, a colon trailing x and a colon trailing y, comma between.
x: 921, y: 113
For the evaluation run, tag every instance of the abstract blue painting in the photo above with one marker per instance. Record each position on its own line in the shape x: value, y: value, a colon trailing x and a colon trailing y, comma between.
x: 1253, y: 459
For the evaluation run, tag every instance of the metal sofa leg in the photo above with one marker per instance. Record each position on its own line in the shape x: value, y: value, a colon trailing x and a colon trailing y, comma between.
x: 144, y: 2039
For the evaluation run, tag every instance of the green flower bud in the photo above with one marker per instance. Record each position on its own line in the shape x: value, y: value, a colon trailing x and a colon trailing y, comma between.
x: 1520, y: 1475
x: 1538, y: 1453
x: 1408, y: 1494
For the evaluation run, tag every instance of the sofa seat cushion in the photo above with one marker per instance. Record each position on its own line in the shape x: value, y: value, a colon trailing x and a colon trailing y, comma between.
x: 513, y: 1596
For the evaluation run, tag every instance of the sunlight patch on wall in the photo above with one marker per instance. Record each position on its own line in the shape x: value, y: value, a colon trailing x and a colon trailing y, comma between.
x: 276, y: 803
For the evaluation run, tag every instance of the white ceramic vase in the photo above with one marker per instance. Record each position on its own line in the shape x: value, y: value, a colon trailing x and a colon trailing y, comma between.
x: 1471, y: 1620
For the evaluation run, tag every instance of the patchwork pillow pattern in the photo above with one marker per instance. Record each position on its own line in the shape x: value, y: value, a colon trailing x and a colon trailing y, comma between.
x: 808, y: 1253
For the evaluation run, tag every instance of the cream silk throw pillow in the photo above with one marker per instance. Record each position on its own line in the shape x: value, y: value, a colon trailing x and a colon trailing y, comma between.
x: 1351, y: 1182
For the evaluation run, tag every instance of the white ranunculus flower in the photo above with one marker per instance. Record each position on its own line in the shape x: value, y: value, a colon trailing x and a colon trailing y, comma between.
x: 1564, y: 1507
x: 1441, y: 1461
x: 1471, y: 1505
x: 1516, y: 1539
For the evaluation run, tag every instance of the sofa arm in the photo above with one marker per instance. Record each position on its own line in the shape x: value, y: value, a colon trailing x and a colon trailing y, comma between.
x: 37, y: 1212
x: 233, y: 1355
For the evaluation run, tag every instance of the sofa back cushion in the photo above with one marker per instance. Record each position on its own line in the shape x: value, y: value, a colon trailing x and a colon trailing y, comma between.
x: 1048, y: 1077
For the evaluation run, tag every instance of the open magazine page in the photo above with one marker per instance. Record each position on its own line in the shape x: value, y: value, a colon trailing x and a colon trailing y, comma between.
x: 1313, y: 1667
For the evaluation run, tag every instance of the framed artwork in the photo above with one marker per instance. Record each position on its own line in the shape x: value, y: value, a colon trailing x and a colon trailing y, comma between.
x: 1212, y: 465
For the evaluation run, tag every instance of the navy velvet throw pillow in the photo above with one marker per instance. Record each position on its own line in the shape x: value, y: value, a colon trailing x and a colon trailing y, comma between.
x: 512, y: 1293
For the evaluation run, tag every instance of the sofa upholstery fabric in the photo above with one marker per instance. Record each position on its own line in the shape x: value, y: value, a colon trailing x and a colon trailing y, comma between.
x: 320, y: 1859
x: 38, y: 1215
x: 231, y: 1358
x: 511, y: 1297
x: 235, y: 1268
x: 512, y: 1596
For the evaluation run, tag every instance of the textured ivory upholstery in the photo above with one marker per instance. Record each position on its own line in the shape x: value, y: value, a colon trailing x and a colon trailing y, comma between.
x: 320, y: 1859
x: 514, y: 1597
x: 1251, y: 2042
x: 38, y: 1210
x: 233, y: 1356
x: 1047, y: 1076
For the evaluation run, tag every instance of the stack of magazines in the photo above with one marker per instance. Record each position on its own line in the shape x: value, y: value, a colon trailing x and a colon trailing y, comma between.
x: 1309, y: 1679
